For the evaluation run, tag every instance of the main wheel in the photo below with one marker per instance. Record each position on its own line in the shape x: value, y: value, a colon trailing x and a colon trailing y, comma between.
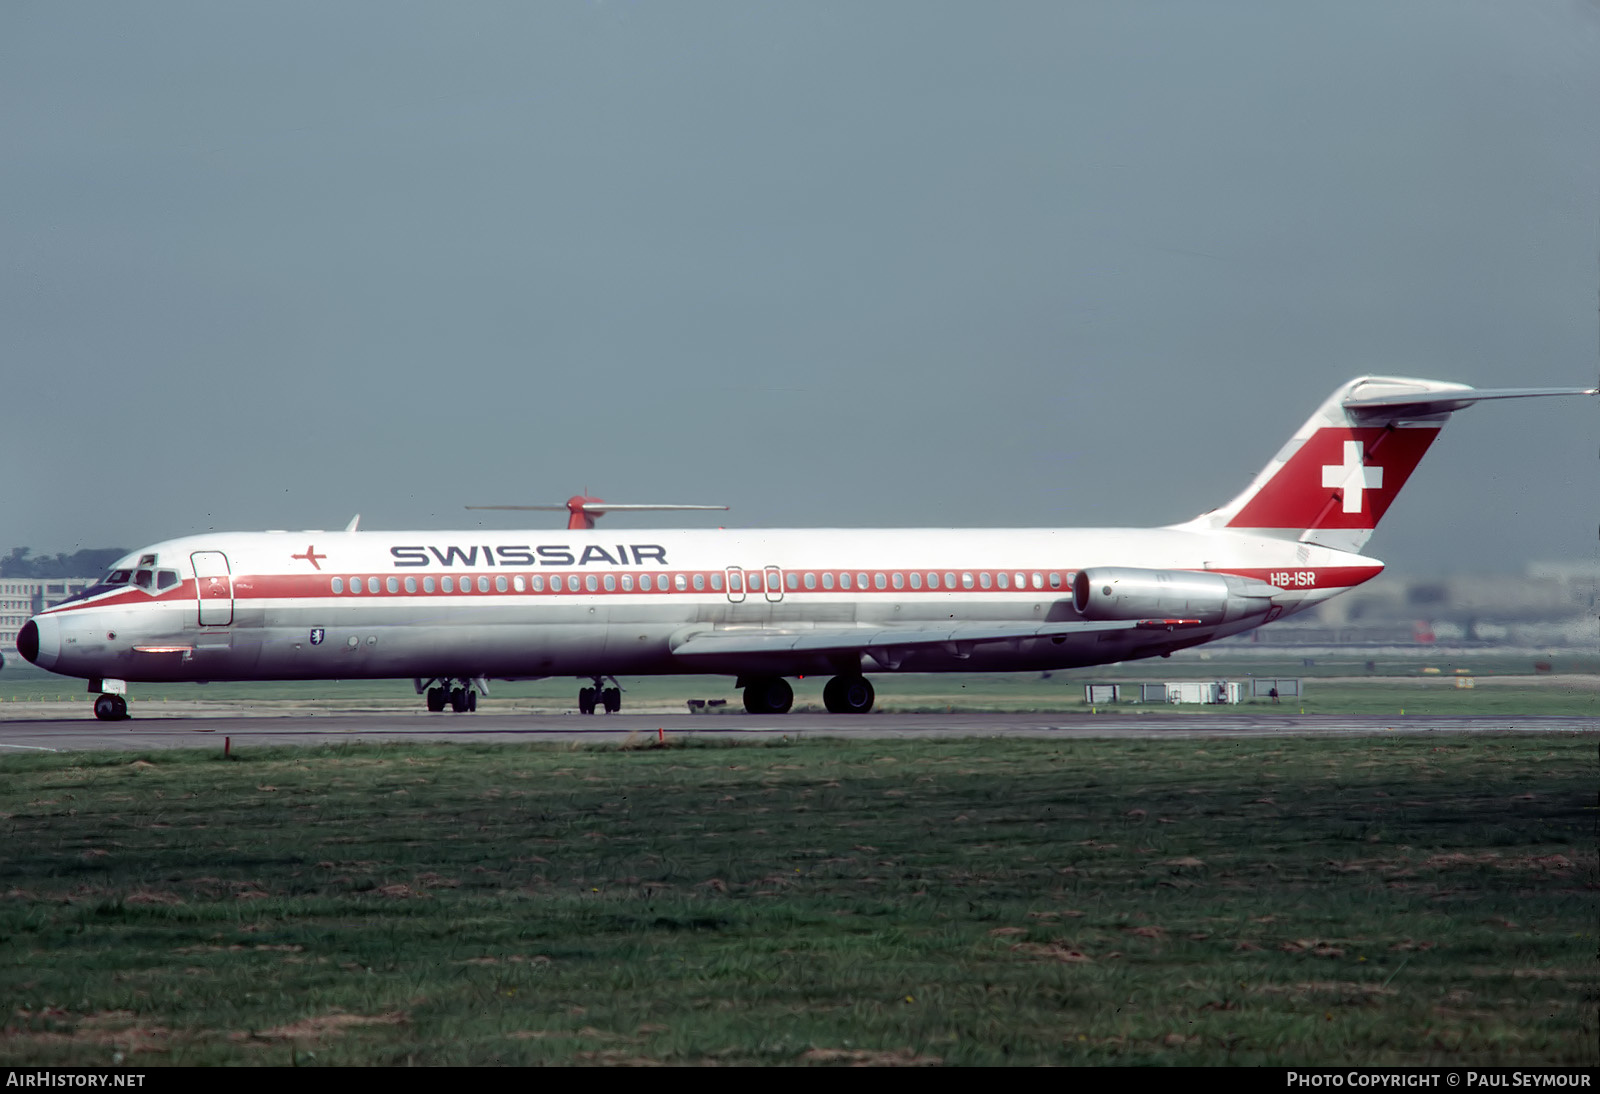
x: 768, y: 695
x: 472, y: 701
x: 437, y: 697
x: 458, y: 700
x: 611, y: 698
x: 586, y: 700
x: 848, y: 695
x: 105, y: 708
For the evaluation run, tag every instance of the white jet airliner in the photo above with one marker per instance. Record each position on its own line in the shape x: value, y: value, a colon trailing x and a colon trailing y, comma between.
x: 451, y: 610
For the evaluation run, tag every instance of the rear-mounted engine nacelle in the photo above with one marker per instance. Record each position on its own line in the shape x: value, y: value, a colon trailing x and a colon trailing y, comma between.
x: 1114, y: 592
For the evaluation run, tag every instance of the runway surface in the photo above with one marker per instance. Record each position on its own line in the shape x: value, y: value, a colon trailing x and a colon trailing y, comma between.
x: 48, y: 730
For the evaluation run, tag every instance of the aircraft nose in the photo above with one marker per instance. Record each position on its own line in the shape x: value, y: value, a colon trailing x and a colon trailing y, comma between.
x: 40, y: 641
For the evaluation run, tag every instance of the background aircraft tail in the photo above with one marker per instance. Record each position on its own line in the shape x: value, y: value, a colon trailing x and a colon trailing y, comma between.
x: 1339, y: 473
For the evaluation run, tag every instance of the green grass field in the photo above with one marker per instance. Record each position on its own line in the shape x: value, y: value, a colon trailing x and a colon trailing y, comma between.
x: 1504, y: 686
x: 1349, y: 901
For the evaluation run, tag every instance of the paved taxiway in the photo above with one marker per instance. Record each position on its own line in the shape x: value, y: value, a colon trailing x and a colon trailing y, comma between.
x: 208, y: 730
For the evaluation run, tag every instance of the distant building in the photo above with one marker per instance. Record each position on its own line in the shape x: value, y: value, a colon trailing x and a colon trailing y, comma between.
x: 22, y: 597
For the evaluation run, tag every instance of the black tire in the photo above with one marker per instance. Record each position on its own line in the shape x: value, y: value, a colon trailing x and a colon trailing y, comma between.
x: 121, y: 706
x: 613, y: 699
x: 848, y: 695
x: 105, y: 708
x: 472, y: 701
x: 586, y: 700
x: 436, y: 699
x: 458, y: 700
x: 768, y: 695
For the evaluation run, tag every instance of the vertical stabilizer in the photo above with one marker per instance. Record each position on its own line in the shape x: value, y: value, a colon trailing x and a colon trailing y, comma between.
x: 1339, y: 473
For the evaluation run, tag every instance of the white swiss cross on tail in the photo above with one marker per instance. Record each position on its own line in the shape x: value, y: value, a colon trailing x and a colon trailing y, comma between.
x: 1352, y: 476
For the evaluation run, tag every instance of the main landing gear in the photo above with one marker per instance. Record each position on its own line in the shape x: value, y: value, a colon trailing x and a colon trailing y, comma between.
x: 608, y: 699
x: 766, y: 694
x: 461, y: 698
x: 848, y: 694
x: 111, y: 708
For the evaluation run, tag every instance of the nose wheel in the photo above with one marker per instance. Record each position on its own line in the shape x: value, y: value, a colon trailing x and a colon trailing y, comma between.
x: 111, y: 708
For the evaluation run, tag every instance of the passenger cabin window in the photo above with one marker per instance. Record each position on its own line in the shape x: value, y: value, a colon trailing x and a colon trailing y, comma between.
x: 338, y: 584
x: 644, y: 583
x: 827, y: 581
x: 392, y: 584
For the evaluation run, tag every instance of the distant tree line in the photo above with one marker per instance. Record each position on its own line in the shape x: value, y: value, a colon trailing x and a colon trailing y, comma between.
x: 86, y: 563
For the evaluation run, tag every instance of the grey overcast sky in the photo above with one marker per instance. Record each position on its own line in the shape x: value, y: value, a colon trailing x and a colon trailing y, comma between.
x: 855, y: 263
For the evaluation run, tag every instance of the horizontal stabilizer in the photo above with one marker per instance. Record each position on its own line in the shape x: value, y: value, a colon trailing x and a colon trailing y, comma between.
x: 1386, y: 403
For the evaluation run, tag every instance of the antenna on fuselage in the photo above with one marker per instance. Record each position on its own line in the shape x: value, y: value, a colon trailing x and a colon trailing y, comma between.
x: 354, y: 525
x: 582, y: 510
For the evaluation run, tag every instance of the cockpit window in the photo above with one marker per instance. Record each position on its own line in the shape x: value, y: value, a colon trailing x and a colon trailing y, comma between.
x: 166, y: 579
x: 117, y: 577
x: 144, y: 578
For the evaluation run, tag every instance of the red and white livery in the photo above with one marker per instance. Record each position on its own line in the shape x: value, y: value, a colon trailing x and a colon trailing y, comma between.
x: 452, y: 610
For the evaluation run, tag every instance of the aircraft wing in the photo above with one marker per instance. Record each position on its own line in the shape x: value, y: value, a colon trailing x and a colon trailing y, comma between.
x: 758, y: 640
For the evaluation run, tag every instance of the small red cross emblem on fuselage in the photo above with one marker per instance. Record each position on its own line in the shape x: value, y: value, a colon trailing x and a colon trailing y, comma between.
x: 311, y: 556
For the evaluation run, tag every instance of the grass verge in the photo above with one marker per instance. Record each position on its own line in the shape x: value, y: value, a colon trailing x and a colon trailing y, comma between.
x: 1344, y: 901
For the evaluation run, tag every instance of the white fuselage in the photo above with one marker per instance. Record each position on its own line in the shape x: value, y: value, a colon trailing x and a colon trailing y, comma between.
x: 521, y: 604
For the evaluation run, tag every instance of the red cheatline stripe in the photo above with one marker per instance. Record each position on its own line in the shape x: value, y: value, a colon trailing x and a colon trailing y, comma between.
x: 665, y: 583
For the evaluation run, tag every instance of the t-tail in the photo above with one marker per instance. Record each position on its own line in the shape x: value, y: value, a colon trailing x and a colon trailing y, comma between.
x: 1339, y: 473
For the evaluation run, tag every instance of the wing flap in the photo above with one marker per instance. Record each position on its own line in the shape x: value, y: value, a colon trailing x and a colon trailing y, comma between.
x: 717, y: 643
